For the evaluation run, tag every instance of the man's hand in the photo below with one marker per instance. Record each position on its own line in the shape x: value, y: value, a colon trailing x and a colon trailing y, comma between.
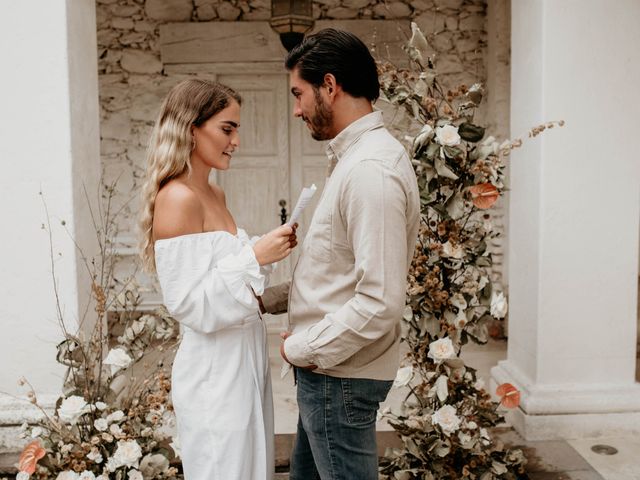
x: 284, y: 336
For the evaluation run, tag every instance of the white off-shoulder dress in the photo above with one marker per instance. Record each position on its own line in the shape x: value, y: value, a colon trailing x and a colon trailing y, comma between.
x: 221, y: 386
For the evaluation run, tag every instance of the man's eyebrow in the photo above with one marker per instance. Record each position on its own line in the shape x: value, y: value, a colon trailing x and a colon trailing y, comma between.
x: 233, y: 124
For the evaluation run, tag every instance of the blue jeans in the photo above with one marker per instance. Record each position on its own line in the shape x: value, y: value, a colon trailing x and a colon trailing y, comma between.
x: 336, y: 438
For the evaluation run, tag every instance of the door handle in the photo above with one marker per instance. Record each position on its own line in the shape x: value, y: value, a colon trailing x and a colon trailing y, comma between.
x: 283, y: 211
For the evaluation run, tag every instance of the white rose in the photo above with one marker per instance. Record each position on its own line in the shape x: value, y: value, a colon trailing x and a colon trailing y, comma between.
x: 95, y: 456
x: 446, y: 418
x: 152, y: 466
x: 102, y: 477
x: 117, y: 359
x: 112, y: 464
x: 87, y: 475
x: 448, y: 135
x: 22, y: 476
x: 71, y: 408
x: 135, y: 475
x: 472, y: 425
x: 479, y: 385
x: 115, y: 430
x: 441, y: 350
x: 115, y: 416
x: 452, y: 251
x: 498, y: 305
x: 101, y: 424
x: 403, y: 376
x: 101, y: 406
x: 67, y: 475
x: 36, y: 432
x: 128, y: 453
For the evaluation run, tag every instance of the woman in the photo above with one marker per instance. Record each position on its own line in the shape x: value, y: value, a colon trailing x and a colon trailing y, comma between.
x: 210, y: 274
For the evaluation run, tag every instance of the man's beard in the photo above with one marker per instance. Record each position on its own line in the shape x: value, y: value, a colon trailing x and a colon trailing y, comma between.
x: 322, y: 119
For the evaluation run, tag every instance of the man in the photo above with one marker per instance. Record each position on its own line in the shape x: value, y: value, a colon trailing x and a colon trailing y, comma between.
x: 348, y: 288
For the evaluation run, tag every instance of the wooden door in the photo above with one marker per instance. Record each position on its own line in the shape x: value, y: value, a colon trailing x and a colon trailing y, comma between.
x: 276, y: 158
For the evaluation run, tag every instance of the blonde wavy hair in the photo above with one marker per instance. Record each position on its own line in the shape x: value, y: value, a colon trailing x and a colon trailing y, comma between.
x: 190, y: 103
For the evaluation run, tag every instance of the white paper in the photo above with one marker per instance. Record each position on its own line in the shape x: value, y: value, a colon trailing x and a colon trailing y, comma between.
x: 303, y: 200
x: 285, y: 369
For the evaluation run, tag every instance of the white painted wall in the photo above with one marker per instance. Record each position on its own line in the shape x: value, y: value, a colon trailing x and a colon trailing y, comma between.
x: 49, y: 142
x: 573, y: 245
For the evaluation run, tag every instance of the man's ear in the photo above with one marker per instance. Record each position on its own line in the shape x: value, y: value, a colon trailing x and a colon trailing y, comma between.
x: 330, y: 84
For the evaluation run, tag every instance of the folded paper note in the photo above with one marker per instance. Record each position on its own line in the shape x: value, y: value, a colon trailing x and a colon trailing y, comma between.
x: 303, y: 200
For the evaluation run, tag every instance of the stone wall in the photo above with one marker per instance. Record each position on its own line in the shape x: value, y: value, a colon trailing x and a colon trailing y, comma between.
x: 132, y: 82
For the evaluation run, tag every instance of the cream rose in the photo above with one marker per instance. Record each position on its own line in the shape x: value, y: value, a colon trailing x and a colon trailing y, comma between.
x: 403, y: 377
x: 115, y: 416
x: 448, y: 135
x: 71, y: 408
x: 153, y: 465
x: 127, y: 454
x: 441, y: 350
x: 22, y: 476
x: 446, y: 418
x: 87, y: 475
x: 134, y: 475
x: 68, y: 475
x: 498, y: 305
x: 117, y: 359
x: 101, y: 424
x: 95, y: 456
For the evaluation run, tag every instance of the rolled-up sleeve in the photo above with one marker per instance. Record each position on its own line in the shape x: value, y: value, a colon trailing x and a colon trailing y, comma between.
x: 373, y: 207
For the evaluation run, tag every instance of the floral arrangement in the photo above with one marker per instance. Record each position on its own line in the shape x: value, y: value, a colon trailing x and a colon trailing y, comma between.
x: 114, y: 418
x: 446, y: 415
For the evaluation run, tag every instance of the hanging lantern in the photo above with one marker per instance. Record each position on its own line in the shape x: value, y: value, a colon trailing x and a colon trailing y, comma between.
x: 291, y: 19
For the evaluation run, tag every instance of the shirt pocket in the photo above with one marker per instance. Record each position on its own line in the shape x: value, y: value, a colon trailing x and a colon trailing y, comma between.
x: 320, y: 236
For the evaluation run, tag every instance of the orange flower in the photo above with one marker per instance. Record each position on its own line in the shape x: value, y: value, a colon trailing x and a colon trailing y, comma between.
x: 30, y: 456
x: 509, y: 395
x: 484, y: 195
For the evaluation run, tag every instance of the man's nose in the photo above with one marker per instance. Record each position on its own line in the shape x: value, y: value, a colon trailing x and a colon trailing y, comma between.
x: 297, y: 111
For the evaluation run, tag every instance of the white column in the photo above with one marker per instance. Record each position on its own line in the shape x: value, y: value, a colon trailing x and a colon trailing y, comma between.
x: 49, y: 142
x: 574, y: 210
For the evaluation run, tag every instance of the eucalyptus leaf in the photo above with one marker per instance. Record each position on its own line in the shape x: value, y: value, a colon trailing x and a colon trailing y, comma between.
x: 443, y: 170
x: 475, y: 92
x: 452, y: 152
x: 470, y: 132
x: 455, y: 206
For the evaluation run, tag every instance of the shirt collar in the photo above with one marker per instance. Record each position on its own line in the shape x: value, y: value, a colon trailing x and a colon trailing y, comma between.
x: 341, y: 143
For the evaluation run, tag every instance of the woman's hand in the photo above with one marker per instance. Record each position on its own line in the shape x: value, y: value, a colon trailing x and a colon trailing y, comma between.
x: 276, y: 245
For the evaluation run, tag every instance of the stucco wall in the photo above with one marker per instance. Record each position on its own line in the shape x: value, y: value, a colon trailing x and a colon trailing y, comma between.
x: 132, y: 82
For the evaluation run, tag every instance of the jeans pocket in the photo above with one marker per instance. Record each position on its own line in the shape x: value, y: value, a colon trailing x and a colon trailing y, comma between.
x: 362, y: 398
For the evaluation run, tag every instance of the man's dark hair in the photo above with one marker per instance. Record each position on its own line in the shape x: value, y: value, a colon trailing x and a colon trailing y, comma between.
x: 341, y: 54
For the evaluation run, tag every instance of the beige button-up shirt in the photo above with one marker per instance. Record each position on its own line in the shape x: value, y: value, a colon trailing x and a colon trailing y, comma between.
x: 349, y: 286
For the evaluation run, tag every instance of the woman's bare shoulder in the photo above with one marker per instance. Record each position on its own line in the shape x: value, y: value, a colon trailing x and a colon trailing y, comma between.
x: 178, y: 211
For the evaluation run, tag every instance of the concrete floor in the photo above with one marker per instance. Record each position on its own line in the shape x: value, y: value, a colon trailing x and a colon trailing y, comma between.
x: 548, y: 460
